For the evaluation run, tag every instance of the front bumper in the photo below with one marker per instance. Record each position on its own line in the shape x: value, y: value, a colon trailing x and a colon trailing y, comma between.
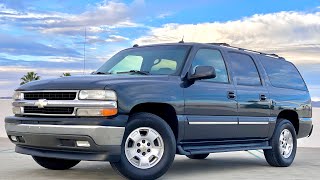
x: 59, y: 140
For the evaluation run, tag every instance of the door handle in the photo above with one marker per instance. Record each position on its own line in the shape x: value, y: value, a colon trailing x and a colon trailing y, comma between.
x: 263, y: 97
x: 231, y: 95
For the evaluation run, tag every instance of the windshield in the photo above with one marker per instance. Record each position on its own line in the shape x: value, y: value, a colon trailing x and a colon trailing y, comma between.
x: 158, y: 60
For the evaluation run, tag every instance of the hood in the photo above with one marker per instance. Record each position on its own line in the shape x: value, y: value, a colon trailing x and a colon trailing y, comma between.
x: 86, y: 82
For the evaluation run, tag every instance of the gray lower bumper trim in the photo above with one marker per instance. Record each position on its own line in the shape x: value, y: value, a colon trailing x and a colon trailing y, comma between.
x: 102, y: 135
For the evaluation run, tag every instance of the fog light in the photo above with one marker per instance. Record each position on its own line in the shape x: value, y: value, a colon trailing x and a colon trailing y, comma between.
x: 14, y: 138
x: 83, y: 143
x: 17, y: 110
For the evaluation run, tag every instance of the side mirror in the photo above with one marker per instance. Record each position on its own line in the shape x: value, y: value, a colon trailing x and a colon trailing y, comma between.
x: 203, y: 72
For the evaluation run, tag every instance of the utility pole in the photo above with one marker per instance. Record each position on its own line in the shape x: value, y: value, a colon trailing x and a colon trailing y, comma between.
x: 84, y: 50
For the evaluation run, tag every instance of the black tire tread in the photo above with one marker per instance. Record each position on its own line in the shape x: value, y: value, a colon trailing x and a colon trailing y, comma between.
x: 55, y: 164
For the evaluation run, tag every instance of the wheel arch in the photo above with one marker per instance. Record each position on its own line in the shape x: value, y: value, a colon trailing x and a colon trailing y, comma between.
x: 290, y: 115
x: 166, y: 111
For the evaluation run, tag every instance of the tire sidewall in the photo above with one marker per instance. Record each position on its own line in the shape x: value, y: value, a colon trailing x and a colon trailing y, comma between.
x: 284, y: 124
x: 156, y: 123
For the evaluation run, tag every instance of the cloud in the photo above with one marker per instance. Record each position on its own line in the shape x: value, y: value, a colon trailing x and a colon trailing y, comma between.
x: 116, y: 38
x: 5, y: 83
x: 294, y: 35
x: 315, y: 98
x: 164, y: 15
x: 111, y: 38
x: 100, y: 18
x: 26, y: 46
x: 58, y: 63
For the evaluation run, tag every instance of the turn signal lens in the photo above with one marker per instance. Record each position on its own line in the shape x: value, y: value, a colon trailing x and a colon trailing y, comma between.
x: 109, y: 112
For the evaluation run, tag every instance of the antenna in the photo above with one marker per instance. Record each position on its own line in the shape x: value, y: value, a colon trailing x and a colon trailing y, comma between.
x: 182, y: 40
x: 84, y: 50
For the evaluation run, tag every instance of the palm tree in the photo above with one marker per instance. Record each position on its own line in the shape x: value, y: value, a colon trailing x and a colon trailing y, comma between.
x: 30, y: 76
x: 65, y: 74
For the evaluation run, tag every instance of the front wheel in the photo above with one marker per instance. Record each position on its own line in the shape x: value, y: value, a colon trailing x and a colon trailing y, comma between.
x: 55, y: 164
x: 284, y: 145
x: 148, y: 148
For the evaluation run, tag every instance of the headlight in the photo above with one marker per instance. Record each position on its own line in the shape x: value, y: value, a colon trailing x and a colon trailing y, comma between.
x: 98, y: 95
x: 17, y: 95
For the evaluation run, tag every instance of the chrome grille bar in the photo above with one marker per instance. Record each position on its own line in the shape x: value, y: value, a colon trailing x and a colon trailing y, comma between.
x: 68, y: 103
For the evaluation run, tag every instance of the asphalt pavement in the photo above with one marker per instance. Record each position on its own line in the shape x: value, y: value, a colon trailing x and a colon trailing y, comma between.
x: 232, y: 165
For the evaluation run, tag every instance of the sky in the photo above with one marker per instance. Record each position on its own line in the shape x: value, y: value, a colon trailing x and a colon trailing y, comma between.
x: 47, y: 36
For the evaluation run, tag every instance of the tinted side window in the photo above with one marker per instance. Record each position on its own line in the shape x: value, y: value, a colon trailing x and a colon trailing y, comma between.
x: 211, y: 57
x: 244, y: 69
x: 282, y: 74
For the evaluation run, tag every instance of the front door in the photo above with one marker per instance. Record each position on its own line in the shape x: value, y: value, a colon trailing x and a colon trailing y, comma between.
x: 252, y: 97
x: 210, y: 104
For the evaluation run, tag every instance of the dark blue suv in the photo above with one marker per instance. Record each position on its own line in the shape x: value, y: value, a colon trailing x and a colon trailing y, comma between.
x: 148, y: 103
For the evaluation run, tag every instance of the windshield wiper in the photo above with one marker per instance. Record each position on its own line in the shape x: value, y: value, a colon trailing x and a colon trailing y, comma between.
x: 101, y: 73
x: 135, y: 71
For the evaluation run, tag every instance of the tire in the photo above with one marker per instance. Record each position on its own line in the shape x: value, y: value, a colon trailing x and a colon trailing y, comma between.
x: 198, y: 156
x: 275, y: 156
x: 55, y: 164
x: 139, y: 128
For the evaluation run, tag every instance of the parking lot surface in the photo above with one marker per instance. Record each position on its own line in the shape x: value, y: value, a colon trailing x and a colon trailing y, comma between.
x: 233, y: 165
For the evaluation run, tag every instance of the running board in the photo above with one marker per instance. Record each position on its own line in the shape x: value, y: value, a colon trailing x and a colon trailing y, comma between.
x: 190, y: 149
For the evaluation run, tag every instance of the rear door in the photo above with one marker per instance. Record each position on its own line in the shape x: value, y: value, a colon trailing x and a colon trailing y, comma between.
x: 210, y: 104
x: 252, y: 96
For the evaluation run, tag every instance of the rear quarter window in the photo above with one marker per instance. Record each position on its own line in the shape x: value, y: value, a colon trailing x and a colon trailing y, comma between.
x: 283, y: 74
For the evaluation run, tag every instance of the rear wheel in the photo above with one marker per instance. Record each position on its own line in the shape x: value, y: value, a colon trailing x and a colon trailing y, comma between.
x: 198, y: 156
x: 55, y: 164
x: 148, y: 148
x: 284, y: 145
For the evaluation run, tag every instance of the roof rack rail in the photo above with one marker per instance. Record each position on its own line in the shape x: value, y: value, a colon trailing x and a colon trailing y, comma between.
x: 248, y: 50
x: 273, y: 55
x: 136, y: 45
x: 220, y: 44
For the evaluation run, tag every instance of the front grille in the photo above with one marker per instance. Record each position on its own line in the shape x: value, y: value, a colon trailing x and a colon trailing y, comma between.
x: 50, y: 95
x: 48, y: 110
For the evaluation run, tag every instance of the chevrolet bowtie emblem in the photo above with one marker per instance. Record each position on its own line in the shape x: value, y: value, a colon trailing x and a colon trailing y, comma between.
x: 41, y: 103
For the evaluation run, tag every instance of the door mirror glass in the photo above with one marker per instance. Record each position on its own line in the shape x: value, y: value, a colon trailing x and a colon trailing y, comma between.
x: 203, y: 72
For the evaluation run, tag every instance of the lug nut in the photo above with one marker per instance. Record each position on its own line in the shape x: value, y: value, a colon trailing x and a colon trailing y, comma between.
x: 143, y: 141
x: 148, y: 150
x: 143, y: 153
x: 148, y: 144
x: 138, y: 144
x: 138, y: 150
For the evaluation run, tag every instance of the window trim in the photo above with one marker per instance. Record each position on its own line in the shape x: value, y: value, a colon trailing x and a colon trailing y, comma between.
x: 225, y: 64
x: 254, y: 62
